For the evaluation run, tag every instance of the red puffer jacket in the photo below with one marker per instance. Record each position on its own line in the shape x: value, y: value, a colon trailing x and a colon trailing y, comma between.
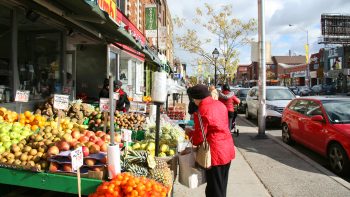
x: 229, y: 102
x: 215, y: 121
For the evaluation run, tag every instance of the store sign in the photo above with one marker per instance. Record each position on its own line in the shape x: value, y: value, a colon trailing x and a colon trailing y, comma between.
x: 162, y: 35
x: 110, y: 7
x: 77, y: 158
x: 298, y: 74
x: 151, y: 20
x: 104, y: 104
x: 22, y: 96
x: 177, y: 75
x: 61, y: 101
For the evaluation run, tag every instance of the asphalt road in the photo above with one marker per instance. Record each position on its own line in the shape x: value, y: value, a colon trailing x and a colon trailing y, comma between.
x: 276, y: 131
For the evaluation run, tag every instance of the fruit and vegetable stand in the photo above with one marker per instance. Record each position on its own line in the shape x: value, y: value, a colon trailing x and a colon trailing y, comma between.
x: 33, y: 149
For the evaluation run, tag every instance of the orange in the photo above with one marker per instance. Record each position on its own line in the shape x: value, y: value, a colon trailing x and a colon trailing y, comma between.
x: 27, y: 114
x: 35, y: 127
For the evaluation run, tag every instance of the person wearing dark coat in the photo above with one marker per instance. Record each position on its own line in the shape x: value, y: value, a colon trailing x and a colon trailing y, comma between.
x: 123, y: 104
x: 104, y: 93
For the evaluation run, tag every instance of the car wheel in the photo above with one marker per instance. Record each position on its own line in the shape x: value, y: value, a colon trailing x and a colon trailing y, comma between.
x: 286, y: 137
x: 247, y: 115
x: 338, y: 159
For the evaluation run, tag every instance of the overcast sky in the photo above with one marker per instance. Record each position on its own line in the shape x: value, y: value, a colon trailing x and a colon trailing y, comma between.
x: 303, y: 14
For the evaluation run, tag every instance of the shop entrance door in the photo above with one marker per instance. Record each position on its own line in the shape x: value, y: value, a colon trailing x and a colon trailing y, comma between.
x: 70, y: 70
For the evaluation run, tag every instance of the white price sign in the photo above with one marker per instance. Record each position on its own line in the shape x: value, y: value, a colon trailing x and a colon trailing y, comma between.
x: 61, y: 101
x: 126, y: 135
x: 77, y: 158
x: 116, y: 95
x: 22, y: 96
x: 104, y: 104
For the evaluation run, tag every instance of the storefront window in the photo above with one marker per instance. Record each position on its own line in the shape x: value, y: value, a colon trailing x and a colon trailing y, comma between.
x: 123, y: 76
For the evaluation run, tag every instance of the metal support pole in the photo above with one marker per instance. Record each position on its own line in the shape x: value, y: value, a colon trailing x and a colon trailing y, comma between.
x: 111, y: 108
x: 157, y: 128
x: 262, y: 71
x: 215, y: 82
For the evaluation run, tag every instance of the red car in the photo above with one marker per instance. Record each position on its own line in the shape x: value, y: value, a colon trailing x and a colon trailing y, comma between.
x: 323, y: 125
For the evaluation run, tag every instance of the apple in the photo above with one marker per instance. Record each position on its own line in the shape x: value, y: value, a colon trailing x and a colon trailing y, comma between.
x: 85, y: 151
x: 5, y: 138
x: 76, y: 134
x: 90, y: 162
x: 100, y: 133
x: 84, y: 132
x: 117, y: 138
x: 53, y: 167
x: 53, y: 150
x: 99, y: 142
x: 94, y: 148
x: 78, y: 145
x: 106, y: 138
x: 89, y: 144
x: 2, y: 149
x: 93, y: 138
x: 103, y: 147
x: 63, y: 145
x: 83, y: 139
x: 67, y: 167
x: 73, y: 143
x: 7, y: 145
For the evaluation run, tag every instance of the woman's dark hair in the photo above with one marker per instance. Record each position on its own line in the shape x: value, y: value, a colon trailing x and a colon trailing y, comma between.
x: 226, y: 87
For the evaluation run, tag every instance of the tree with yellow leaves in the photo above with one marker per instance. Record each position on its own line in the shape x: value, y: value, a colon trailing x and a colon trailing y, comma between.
x: 224, y: 29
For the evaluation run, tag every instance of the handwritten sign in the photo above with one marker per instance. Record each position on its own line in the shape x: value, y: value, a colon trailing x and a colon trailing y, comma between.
x: 22, y: 96
x: 77, y: 158
x: 116, y: 95
x: 61, y: 101
x: 126, y: 135
x: 104, y: 104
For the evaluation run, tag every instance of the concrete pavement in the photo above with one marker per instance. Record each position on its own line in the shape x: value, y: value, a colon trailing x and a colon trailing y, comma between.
x: 270, y: 168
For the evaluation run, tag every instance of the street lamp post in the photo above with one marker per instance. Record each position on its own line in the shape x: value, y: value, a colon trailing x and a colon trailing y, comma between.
x: 306, y: 54
x: 215, y: 54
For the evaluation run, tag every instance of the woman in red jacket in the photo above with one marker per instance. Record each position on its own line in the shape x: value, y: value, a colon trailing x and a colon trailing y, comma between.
x: 215, y: 121
x: 229, y: 99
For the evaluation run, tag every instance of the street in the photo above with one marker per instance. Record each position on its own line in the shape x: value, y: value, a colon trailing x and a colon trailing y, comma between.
x: 275, y: 130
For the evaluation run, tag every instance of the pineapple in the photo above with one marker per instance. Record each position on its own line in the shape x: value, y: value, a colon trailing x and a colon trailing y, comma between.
x: 162, y: 175
x: 137, y: 170
x: 160, y: 163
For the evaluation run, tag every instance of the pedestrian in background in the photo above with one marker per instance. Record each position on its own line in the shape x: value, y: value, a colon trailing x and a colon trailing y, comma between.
x: 229, y: 99
x: 123, y: 104
x: 214, y: 93
x: 214, y: 118
x: 104, y: 93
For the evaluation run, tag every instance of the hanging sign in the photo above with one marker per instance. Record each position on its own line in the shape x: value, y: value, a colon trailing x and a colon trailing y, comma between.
x: 22, y: 96
x: 104, y: 104
x: 77, y: 158
x: 61, y: 101
x: 151, y: 20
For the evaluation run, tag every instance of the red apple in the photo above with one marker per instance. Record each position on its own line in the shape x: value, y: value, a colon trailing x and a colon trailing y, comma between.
x: 89, y: 134
x: 83, y: 139
x: 103, y: 147
x: 63, y: 145
x: 76, y: 134
x: 100, y: 133
x: 85, y: 151
x: 106, y: 138
x: 78, y: 145
x: 99, y: 142
x: 94, y: 148
x: 93, y: 138
x: 84, y: 132
x: 67, y: 167
x: 89, y: 144
x: 68, y: 137
x: 73, y: 143
x: 53, y: 167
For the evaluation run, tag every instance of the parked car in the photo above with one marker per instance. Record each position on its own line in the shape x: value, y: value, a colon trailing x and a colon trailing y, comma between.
x: 242, y: 95
x: 323, y: 89
x: 294, y: 89
x: 304, y: 91
x: 323, y: 125
x: 277, y: 98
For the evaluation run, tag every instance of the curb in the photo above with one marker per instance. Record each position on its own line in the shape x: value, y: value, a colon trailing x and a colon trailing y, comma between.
x: 303, y: 157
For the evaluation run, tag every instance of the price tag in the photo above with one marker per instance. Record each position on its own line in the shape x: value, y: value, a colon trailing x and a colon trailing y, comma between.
x: 77, y: 158
x: 141, y: 107
x: 126, y: 135
x: 66, y: 90
x: 116, y: 95
x: 104, y: 104
x: 61, y: 101
x: 142, y: 89
x: 22, y: 96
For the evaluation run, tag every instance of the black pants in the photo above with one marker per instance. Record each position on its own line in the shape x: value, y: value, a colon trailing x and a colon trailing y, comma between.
x: 217, y: 177
x: 231, y: 117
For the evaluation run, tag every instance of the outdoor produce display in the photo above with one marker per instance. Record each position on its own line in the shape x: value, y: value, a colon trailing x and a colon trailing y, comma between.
x: 177, y: 112
x: 125, y: 184
x: 42, y: 142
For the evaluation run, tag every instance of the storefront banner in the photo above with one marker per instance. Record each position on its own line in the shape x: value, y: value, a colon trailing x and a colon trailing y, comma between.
x: 131, y: 28
x: 298, y: 74
x: 22, y: 96
x: 313, y: 74
x: 61, y: 101
x: 110, y: 7
x: 151, y: 20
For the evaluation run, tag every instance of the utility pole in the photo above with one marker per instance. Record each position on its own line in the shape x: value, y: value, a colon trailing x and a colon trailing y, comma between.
x: 262, y: 71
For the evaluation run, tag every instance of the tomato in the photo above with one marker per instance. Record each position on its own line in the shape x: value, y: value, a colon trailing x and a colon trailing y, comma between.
x: 129, y: 189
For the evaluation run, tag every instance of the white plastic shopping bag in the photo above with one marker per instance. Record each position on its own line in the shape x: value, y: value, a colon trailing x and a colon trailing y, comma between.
x: 189, y: 174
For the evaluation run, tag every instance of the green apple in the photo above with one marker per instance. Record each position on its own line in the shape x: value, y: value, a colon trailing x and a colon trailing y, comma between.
x: 5, y: 138
x: 15, y: 141
x: 7, y: 145
x: 14, y: 135
x: 17, y: 124
x: 2, y: 149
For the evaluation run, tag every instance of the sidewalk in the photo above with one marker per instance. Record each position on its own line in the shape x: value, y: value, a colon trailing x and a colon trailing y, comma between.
x: 270, y: 168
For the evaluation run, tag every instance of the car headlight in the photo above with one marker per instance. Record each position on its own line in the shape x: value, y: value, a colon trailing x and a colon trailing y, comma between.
x: 271, y: 107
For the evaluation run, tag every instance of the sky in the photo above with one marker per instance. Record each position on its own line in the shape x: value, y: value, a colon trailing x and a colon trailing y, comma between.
x: 304, y: 15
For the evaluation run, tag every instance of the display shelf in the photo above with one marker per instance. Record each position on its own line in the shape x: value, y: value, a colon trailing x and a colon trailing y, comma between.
x: 47, y: 181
